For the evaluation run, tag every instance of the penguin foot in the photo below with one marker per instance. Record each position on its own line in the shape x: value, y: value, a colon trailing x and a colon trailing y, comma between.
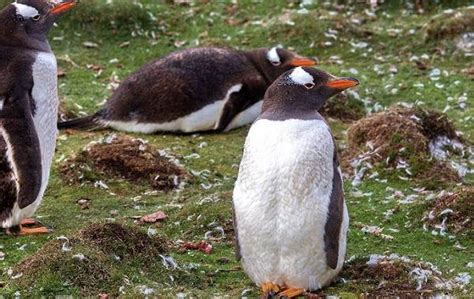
x: 24, y: 231
x: 269, y: 289
x: 291, y: 293
x: 28, y: 221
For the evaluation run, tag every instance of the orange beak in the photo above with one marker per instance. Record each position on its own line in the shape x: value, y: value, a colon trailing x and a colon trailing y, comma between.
x: 302, y: 61
x: 63, y: 7
x: 342, y: 83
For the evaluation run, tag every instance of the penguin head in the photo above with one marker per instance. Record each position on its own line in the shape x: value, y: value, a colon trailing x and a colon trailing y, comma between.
x: 312, y: 87
x: 275, y: 61
x: 25, y: 19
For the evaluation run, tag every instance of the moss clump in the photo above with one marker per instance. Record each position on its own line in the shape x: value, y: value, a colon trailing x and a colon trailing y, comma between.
x: 450, y: 24
x: 91, y: 261
x: 127, y: 158
x: 114, y: 15
x: 344, y: 109
x: 128, y: 244
x: 402, y: 135
x: 433, y: 123
x: 452, y: 211
x: 389, y: 135
x: 387, y: 277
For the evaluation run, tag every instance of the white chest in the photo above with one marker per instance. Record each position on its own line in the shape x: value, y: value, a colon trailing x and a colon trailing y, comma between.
x: 45, y: 94
x: 281, y: 201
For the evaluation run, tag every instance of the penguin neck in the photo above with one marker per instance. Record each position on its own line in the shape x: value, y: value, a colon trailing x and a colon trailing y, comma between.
x: 291, y: 106
x: 254, y: 57
x: 10, y: 37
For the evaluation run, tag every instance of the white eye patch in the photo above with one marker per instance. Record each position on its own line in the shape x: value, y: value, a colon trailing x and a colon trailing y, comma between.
x: 301, y: 77
x: 25, y: 11
x: 273, y: 56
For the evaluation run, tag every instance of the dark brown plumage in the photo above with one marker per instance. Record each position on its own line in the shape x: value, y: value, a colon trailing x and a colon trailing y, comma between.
x: 187, y: 81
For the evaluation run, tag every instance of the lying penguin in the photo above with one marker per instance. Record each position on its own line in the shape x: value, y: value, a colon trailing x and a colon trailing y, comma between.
x: 199, y: 89
x: 290, y: 216
x: 28, y: 109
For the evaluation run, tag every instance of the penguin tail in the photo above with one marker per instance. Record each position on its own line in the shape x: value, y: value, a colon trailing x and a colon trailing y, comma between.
x: 90, y: 123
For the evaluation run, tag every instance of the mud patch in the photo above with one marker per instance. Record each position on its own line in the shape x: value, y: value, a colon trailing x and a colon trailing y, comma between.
x: 394, y: 275
x: 407, y: 139
x: 123, y: 157
x: 92, y: 259
x: 342, y: 108
x: 451, y: 212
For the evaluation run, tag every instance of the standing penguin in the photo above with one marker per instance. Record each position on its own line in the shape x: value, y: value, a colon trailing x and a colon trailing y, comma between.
x: 199, y: 89
x: 28, y: 109
x: 290, y: 216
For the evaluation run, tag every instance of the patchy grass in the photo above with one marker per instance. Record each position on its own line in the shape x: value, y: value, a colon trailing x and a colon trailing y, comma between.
x: 380, y: 49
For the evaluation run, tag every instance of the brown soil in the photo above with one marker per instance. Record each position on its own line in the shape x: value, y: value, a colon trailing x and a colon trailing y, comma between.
x: 461, y: 203
x: 451, y: 24
x: 104, y: 249
x: 344, y: 109
x: 124, y: 158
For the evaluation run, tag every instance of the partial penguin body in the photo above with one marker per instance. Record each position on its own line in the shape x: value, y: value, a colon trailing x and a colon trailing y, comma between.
x: 44, y: 102
x: 28, y: 108
x: 291, y: 220
x: 199, y: 89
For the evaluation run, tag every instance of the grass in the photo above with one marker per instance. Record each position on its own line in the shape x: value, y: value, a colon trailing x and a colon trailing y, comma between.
x: 130, y: 33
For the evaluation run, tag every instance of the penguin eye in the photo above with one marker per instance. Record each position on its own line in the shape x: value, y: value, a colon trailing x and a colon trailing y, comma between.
x: 20, y: 18
x: 36, y: 18
x: 309, y: 85
x: 276, y: 63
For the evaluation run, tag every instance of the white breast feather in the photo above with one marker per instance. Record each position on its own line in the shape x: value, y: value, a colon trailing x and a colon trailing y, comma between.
x: 281, y: 202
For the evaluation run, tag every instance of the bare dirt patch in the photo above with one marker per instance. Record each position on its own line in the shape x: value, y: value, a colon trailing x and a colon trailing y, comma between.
x: 452, y: 212
x: 123, y: 157
x: 91, y: 259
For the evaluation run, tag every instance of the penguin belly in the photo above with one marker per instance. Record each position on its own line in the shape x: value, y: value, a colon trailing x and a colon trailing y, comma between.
x: 204, y: 119
x: 201, y: 120
x: 45, y: 95
x: 281, y: 201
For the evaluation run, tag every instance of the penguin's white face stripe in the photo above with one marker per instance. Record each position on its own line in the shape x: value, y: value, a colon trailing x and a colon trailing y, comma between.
x: 25, y: 11
x: 273, y: 56
x: 301, y: 77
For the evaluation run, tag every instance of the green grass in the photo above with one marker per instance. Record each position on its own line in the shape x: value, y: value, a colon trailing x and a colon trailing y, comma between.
x: 152, y: 30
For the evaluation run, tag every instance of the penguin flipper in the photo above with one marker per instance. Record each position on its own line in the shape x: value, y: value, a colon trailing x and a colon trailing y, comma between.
x: 334, y: 218
x: 236, y: 232
x: 22, y: 146
x: 249, y: 94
